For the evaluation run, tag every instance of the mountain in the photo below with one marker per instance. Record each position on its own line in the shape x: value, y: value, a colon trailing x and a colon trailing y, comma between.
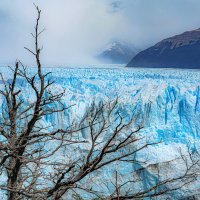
x: 117, y: 53
x: 180, y: 51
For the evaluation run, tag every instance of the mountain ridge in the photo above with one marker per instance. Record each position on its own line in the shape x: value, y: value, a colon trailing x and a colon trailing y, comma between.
x: 179, y: 51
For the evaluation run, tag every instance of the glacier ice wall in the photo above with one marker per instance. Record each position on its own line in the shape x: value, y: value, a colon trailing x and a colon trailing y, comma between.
x: 172, y: 97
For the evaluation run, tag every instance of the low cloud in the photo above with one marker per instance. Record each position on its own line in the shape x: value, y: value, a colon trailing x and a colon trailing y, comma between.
x: 77, y: 29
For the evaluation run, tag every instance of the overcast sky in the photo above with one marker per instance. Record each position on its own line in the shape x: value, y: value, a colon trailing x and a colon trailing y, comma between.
x: 77, y: 29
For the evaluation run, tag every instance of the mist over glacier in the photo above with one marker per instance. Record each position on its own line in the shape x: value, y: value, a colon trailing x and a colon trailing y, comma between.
x: 172, y: 98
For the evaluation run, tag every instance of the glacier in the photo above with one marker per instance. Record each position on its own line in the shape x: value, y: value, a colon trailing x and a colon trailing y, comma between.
x: 172, y: 97
x: 173, y: 94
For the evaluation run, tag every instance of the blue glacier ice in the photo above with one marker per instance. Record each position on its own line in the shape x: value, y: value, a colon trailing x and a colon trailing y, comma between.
x: 171, y: 96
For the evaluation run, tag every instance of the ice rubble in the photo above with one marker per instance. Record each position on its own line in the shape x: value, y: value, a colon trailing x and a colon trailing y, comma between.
x: 173, y: 96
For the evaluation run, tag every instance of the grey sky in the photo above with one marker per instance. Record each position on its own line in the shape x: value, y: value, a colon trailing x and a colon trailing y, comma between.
x: 77, y: 29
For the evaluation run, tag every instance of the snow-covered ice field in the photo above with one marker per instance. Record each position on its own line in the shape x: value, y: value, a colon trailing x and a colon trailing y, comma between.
x: 172, y: 97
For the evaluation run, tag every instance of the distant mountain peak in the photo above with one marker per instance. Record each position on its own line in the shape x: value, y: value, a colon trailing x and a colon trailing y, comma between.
x: 117, y: 52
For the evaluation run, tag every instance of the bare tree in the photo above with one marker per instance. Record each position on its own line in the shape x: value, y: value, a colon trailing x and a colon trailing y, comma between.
x: 42, y: 162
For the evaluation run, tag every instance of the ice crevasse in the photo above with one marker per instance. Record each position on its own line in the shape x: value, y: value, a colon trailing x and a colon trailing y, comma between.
x: 172, y: 97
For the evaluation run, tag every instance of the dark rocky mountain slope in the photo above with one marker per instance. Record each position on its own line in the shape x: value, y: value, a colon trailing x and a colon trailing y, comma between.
x: 180, y: 51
